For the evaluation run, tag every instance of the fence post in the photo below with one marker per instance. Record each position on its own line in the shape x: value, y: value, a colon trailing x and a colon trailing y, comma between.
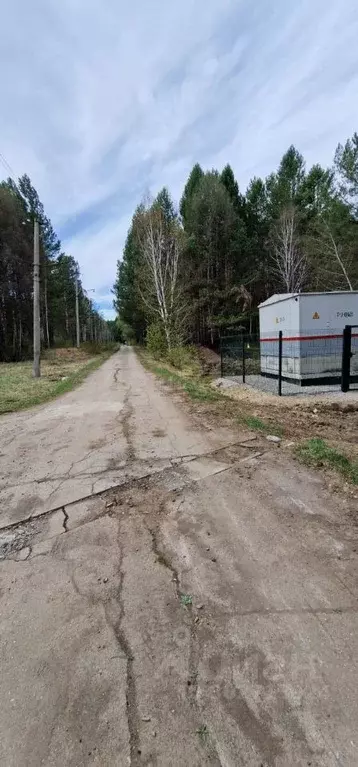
x: 280, y: 363
x: 346, y: 357
x: 243, y: 360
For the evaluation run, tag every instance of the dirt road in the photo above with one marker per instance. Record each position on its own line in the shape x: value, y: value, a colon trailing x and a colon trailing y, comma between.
x: 171, y: 594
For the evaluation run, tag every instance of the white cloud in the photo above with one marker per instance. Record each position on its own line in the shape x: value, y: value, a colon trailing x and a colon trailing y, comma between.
x: 103, y: 101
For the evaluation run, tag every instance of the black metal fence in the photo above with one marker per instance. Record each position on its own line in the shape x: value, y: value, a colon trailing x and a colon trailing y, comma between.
x: 240, y: 355
x: 328, y: 358
x: 349, y: 357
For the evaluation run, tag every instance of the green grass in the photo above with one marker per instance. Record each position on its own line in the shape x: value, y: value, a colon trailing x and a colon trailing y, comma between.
x: 315, y: 452
x: 200, y: 391
x: 18, y: 390
x: 186, y: 600
x: 253, y: 422
x: 195, y: 389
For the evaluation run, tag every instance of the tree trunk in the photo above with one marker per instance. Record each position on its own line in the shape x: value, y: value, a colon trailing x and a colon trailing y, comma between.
x: 341, y: 264
x: 66, y: 317
x: 167, y: 335
x: 3, y: 325
x: 13, y: 335
x: 20, y: 337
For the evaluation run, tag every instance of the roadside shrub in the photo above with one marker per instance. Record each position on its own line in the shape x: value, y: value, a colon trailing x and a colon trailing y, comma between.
x: 182, y: 357
x: 156, y: 341
x: 95, y: 347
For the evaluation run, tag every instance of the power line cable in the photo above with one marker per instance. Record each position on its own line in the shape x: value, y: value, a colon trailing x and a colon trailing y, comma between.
x: 12, y: 173
x: 6, y: 165
x: 10, y: 170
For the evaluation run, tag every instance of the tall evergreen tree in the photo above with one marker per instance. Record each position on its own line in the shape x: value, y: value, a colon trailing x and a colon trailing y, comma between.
x: 238, y: 201
x: 283, y: 188
x: 316, y: 192
x: 189, y: 190
x: 19, y: 204
x: 346, y: 167
x: 128, y: 301
x: 165, y: 202
x: 213, y: 254
x: 230, y: 239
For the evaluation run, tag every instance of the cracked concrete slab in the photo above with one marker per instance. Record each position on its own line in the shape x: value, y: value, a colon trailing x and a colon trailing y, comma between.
x: 200, y: 611
x: 60, y: 654
x: 80, y: 444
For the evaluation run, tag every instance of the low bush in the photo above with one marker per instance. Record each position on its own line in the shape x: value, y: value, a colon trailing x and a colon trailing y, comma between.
x: 156, y: 341
x: 178, y: 356
x: 183, y: 357
x: 92, y: 348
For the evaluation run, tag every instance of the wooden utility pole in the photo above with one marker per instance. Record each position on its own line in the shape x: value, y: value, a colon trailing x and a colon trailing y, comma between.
x: 37, y: 329
x: 77, y: 318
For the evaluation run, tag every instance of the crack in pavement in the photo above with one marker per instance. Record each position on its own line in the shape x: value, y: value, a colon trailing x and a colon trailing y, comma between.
x: 115, y: 624
x: 124, y: 644
x: 174, y: 461
x: 81, y: 460
x: 223, y: 665
x: 126, y: 415
x: 66, y: 518
x: 164, y: 560
x: 194, y: 649
x: 115, y: 374
x: 180, y: 460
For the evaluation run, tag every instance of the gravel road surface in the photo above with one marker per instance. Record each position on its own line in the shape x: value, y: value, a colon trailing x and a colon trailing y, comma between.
x: 171, y: 594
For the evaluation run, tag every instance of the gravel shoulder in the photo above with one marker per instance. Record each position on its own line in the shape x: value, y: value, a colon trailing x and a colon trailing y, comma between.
x: 184, y: 595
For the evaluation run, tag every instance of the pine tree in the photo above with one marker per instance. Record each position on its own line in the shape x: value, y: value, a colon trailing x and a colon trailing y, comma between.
x: 189, y: 190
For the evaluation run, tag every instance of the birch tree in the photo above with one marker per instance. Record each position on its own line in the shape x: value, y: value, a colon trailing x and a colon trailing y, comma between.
x: 289, y: 266
x: 333, y: 255
x: 160, y: 243
x: 294, y: 230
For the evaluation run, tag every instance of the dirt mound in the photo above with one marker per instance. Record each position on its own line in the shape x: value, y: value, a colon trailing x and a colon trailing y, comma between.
x: 209, y: 360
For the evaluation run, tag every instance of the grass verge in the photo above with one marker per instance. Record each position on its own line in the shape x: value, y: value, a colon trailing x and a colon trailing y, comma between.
x: 316, y: 452
x: 60, y: 372
x: 196, y: 389
x: 253, y: 422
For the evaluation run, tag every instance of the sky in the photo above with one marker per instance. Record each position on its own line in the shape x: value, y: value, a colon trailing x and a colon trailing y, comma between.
x: 103, y: 102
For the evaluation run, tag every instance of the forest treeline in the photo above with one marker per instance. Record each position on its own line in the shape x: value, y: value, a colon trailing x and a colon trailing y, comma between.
x: 19, y: 204
x: 191, y: 273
